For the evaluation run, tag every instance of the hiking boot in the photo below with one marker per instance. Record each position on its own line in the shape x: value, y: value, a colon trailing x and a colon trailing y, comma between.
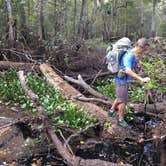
x: 112, y: 113
x: 123, y: 124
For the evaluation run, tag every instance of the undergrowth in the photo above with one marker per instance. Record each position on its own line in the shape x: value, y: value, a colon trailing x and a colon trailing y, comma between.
x: 50, y: 98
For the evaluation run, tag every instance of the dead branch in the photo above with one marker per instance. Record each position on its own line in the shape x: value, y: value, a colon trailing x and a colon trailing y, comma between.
x: 12, y: 65
x: 71, y: 160
x: 91, y: 77
x: 6, y: 120
x: 82, y: 131
x: 107, y: 102
x: 10, y: 121
x: 82, y: 83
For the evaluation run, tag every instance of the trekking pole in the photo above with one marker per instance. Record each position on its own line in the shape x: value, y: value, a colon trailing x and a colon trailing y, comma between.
x: 145, y: 106
x: 146, y: 100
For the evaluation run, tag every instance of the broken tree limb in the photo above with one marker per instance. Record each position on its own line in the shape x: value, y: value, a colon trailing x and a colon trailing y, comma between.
x: 71, y: 160
x: 107, y: 102
x: 83, y: 84
x: 12, y: 65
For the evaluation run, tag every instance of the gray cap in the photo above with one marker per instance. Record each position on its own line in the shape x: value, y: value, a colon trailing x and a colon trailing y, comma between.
x: 142, y: 42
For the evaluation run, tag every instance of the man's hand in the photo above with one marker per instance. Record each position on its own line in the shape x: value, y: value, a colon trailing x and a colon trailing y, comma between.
x: 136, y: 76
x: 146, y: 79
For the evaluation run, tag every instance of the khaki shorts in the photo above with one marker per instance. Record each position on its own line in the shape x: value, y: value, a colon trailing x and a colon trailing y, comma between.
x: 122, y: 92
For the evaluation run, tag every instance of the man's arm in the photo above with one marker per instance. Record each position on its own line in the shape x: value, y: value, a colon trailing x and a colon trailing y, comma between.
x: 136, y: 76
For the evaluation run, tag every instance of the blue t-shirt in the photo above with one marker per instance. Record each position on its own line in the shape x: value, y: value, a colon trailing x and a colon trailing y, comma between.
x: 127, y: 60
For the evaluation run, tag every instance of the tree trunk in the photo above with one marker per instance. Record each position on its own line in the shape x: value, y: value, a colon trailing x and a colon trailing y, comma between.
x: 153, y: 25
x: 125, y: 20
x: 105, y: 30
x: 68, y: 92
x: 164, y: 11
x: 94, y: 7
x: 56, y: 18
x: 10, y: 23
x: 112, y: 18
x: 40, y: 21
x: 83, y: 19
x: 142, y: 17
x: 93, y: 31
x: 74, y: 16
x: 22, y: 15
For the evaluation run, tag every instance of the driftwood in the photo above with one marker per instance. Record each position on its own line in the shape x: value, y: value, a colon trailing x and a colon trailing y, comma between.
x: 4, y: 65
x: 71, y: 160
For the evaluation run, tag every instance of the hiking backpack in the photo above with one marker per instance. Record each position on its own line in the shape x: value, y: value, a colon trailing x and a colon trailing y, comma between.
x: 114, y: 56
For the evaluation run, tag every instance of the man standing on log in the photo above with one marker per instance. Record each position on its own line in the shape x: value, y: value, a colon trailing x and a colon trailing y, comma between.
x: 127, y: 63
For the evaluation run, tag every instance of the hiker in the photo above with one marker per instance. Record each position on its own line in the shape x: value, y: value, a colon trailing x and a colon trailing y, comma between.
x: 127, y: 63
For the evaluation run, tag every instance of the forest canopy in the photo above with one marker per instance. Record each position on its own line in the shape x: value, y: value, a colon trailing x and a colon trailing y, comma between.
x: 57, y: 20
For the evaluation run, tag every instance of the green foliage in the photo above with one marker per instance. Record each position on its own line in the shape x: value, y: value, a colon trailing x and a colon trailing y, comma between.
x: 106, y: 87
x: 129, y: 114
x: 107, y: 124
x: 156, y: 71
x: 162, y: 29
x: 107, y: 8
x: 60, y: 16
x: 50, y: 98
x: 74, y: 117
x: 136, y: 94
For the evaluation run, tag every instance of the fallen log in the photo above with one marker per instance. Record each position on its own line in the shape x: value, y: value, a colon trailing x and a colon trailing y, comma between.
x: 156, y: 108
x: 69, y: 92
x: 71, y: 159
x: 4, y: 65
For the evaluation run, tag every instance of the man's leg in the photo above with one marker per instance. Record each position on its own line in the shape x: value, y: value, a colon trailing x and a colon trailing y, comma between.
x: 122, y: 97
x: 121, y: 121
x: 121, y: 109
x: 112, y: 112
x: 115, y: 103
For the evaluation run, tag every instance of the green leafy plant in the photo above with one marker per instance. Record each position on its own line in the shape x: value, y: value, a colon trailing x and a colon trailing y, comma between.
x: 136, y: 94
x: 106, y: 87
x: 156, y: 71
x: 129, y: 114
x: 51, y: 99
